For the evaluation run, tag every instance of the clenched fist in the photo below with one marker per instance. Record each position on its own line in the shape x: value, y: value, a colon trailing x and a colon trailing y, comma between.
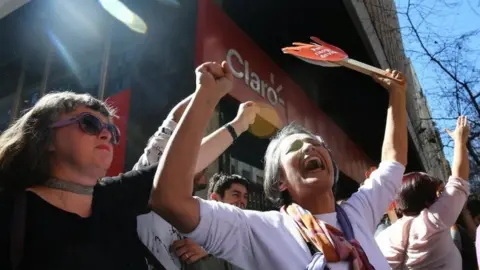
x: 245, y: 116
x: 214, y: 80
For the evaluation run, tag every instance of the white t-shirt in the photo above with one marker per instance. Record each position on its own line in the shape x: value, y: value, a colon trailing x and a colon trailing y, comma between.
x: 270, y: 240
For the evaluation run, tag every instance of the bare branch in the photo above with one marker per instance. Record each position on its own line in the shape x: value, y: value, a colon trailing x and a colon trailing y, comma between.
x: 440, y: 64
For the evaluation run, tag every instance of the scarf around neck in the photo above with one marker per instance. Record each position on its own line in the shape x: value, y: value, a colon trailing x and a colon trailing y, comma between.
x: 331, y: 245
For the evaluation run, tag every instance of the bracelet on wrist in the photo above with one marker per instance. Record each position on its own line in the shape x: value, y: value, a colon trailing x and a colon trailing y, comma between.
x: 232, y: 131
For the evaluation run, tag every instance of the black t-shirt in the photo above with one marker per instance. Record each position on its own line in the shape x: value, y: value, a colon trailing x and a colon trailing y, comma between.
x: 59, y: 240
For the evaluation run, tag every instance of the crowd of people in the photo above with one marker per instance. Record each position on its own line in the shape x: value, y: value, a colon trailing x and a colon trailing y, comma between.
x: 59, y: 211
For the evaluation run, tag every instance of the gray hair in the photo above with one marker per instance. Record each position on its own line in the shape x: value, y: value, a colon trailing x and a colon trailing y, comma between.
x: 271, y: 184
x: 24, y: 155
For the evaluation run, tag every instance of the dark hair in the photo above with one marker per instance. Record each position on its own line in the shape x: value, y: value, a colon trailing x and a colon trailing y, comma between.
x: 220, y: 182
x: 271, y: 183
x: 418, y: 191
x: 24, y: 155
x: 473, y: 205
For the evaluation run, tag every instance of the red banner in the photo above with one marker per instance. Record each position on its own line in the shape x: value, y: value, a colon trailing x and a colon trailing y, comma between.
x: 258, y: 78
x: 121, y: 101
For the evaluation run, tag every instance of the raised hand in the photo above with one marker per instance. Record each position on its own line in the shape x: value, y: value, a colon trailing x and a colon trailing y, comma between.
x: 461, y: 132
x: 399, y: 84
x: 215, y: 79
x: 245, y: 116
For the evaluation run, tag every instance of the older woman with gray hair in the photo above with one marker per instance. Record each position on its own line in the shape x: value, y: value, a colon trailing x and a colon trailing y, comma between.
x: 58, y: 210
x: 310, y: 231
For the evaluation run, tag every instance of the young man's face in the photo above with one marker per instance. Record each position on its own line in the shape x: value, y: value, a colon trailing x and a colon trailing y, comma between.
x: 236, y: 195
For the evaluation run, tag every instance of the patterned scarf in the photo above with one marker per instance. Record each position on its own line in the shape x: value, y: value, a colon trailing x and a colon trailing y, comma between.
x: 332, y: 244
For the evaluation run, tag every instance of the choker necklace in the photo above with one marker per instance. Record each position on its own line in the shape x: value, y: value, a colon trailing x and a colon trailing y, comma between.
x: 69, y: 186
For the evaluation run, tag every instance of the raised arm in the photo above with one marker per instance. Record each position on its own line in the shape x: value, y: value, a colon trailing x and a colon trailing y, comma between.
x: 460, y: 166
x: 452, y: 200
x: 217, y: 142
x: 395, y: 141
x: 212, y: 145
x: 373, y: 198
x: 171, y: 193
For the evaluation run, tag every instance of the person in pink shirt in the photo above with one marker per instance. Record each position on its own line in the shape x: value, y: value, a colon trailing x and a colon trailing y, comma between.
x: 421, y: 238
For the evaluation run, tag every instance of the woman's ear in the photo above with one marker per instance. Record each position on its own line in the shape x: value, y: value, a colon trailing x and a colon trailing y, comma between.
x: 214, y: 197
x: 283, y: 183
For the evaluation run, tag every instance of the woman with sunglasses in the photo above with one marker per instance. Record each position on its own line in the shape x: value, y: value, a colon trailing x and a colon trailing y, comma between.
x: 421, y: 238
x: 58, y: 210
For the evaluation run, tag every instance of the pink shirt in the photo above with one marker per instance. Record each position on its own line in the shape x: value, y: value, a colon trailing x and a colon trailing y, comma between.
x: 430, y: 245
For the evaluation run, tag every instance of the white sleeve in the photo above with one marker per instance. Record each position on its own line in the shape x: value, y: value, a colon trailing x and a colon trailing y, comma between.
x: 225, y: 231
x: 372, y: 199
x: 156, y: 145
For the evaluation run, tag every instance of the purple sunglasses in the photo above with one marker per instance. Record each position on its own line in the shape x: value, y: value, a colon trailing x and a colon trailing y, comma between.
x: 91, y: 125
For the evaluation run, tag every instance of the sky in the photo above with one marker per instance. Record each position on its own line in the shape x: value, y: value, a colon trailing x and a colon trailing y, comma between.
x: 437, y: 20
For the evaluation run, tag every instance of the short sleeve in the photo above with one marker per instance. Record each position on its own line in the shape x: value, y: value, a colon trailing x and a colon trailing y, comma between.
x: 126, y: 194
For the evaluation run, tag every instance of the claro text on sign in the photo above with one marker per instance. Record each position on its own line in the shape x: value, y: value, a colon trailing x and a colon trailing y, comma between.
x: 241, y: 70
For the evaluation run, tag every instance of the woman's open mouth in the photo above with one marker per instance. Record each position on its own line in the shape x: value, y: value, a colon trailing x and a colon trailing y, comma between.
x: 312, y: 164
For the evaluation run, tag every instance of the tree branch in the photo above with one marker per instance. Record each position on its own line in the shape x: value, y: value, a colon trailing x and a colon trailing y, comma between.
x: 440, y: 64
x: 473, y: 153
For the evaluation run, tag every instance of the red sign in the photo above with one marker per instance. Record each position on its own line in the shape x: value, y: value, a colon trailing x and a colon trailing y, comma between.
x: 121, y: 102
x: 259, y: 79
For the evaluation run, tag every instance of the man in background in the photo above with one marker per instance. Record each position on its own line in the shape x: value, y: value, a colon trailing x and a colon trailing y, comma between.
x: 231, y: 189
x: 226, y: 188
